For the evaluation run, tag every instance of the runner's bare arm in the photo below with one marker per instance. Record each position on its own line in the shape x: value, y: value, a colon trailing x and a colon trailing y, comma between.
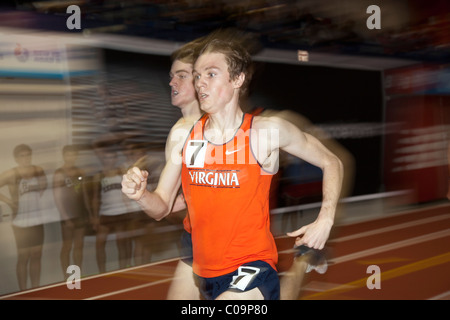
x: 310, y: 149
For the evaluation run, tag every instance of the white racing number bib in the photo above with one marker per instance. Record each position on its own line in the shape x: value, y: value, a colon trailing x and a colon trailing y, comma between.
x: 244, y: 277
x: 195, y: 153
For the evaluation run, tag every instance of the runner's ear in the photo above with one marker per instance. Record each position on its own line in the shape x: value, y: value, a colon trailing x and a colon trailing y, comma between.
x: 239, y: 80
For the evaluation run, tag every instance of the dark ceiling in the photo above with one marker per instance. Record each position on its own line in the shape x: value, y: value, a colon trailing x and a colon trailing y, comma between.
x: 409, y: 29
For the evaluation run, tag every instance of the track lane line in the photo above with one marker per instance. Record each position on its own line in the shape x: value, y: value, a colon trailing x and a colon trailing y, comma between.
x: 391, y: 228
x: 113, y: 293
x: 442, y: 296
x: 383, y: 248
x: 386, y: 275
x: 87, y: 278
x: 391, y: 246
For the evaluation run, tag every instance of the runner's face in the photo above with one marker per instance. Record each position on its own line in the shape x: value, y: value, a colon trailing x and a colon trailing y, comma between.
x: 182, y: 84
x: 212, y: 82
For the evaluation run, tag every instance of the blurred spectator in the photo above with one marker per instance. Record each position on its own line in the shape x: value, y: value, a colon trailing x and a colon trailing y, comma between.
x: 70, y: 202
x: 26, y: 184
x: 110, y: 208
x: 141, y: 226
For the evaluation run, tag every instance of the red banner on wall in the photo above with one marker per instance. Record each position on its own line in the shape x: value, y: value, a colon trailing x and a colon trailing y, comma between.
x: 415, y: 149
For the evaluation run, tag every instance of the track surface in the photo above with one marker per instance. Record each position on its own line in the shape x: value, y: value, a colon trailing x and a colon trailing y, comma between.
x: 410, y: 248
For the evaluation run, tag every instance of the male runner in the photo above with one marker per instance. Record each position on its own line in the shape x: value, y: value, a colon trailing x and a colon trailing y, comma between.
x: 222, y: 166
x: 184, y: 96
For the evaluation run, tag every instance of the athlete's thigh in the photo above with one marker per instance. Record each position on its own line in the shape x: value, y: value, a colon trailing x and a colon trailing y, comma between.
x: 253, y: 294
x: 183, y: 285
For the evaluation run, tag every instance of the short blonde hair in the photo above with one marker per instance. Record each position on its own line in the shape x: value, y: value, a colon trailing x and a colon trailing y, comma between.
x: 188, y: 52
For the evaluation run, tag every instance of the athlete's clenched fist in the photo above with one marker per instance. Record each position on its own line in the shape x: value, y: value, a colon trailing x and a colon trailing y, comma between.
x: 134, y: 183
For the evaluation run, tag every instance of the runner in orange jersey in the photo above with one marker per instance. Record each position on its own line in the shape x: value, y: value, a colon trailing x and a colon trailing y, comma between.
x: 220, y: 76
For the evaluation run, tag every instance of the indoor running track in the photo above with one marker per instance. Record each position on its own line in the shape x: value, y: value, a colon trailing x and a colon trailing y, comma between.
x: 410, y: 248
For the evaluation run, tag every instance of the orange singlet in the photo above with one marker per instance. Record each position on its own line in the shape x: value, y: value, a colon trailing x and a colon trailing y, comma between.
x: 227, y: 195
